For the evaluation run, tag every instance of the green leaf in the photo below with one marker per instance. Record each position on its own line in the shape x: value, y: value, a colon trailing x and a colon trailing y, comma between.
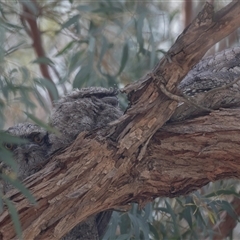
x: 14, y: 48
x: 91, y: 45
x: 71, y: 21
x: 1, y: 201
x: 5, y: 155
x: 135, y: 228
x: 14, y: 215
x: 2, y: 43
x: 143, y: 226
x: 113, y: 224
x: 50, y: 86
x: 81, y: 76
x: 41, y: 123
x: 225, y: 205
x: 14, y: 26
x: 148, y: 211
x: 104, y: 48
x: 213, y: 206
x: 163, y: 230
x: 84, y: 8
x: 43, y: 60
x: 66, y: 48
x: 211, y: 217
x: 173, y: 215
x: 153, y: 49
x: 32, y: 7
x: 121, y: 237
x: 154, y: 232
x: 7, y: 158
x: 75, y: 61
x: 187, y: 215
x: 199, y: 217
x: 139, y: 28
x: 40, y: 99
x: 6, y: 137
x: 25, y: 73
x: 222, y: 192
x: 17, y: 184
x: 124, y: 57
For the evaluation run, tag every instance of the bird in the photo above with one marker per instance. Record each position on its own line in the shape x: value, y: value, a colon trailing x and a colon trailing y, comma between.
x: 211, y: 84
x: 81, y: 110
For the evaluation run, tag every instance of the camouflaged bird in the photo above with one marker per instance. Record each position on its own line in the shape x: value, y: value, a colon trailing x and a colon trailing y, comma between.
x: 81, y: 110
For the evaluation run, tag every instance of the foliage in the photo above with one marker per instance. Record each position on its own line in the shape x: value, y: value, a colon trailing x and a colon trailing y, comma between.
x: 103, y: 43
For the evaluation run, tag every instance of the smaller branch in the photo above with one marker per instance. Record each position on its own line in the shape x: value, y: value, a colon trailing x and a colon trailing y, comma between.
x: 227, y: 223
x: 33, y: 31
x: 162, y: 89
x: 187, y: 11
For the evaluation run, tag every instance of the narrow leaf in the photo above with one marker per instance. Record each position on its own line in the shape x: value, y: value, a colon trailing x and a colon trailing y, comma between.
x: 229, y: 209
x: 173, y: 215
x: 43, y: 60
x: 15, y: 218
x: 71, y: 21
x: 81, y: 77
x: 50, y: 86
x: 17, y: 184
x: 124, y: 58
x: 66, y: 48
x: 41, y: 123
x: 222, y: 192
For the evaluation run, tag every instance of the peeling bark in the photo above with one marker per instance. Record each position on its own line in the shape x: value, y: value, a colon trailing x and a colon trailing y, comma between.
x: 142, y: 155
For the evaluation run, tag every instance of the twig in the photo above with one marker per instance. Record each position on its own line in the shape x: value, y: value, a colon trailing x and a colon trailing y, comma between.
x: 160, y: 84
x: 34, y: 32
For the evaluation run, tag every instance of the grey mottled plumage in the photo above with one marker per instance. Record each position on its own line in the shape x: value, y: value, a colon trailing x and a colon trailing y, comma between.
x: 81, y: 110
x: 213, y: 83
x: 212, y: 72
x: 30, y: 157
x: 87, y: 109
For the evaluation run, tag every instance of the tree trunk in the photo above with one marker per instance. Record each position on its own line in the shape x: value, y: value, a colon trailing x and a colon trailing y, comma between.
x: 141, y: 156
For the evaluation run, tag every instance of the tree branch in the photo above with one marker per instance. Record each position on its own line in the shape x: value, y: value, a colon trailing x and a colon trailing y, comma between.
x: 134, y: 160
x: 30, y: 12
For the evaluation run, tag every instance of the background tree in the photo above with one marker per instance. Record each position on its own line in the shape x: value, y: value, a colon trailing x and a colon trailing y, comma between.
x: 104, y: 43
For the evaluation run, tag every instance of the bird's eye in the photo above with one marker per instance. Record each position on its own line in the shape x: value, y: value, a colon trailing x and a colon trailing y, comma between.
x: 37, y: 139
x: 9, y: 146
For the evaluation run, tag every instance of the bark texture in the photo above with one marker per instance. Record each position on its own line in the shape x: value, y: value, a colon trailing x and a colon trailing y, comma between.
x: 142, y: 155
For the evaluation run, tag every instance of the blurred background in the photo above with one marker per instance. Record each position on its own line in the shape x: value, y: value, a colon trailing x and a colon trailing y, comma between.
x: 47, y: 48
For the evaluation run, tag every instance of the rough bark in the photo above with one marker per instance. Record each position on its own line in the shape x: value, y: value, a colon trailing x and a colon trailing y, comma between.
x: 140, y: 156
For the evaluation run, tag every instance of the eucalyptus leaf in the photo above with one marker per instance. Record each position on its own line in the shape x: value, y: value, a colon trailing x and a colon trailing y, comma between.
x: 41, y: 123
x: 66, y: 48
x: 124, y: 58
x: 13, y: 180
x: 14, y: 215
x: 71, y: 21
x: 81, y: 77
x: 174, y: 219
x: 50, y: 86
x: 225, y: 205
x: 222, y: 192
x: 43, y: 60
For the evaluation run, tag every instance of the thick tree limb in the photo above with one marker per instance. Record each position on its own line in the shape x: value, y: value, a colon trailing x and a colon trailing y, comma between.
x: 207, y: 29
x: 134, y: 161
